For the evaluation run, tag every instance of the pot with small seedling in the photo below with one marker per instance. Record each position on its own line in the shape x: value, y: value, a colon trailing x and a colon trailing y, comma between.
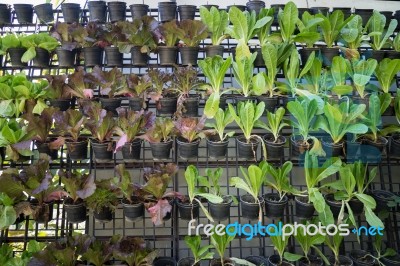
x: 190, y: 133
x: 189, y: 206
x: 97, y: 11
x: 24, y: 13
x: 165, y: 101
x: 280, y: 243
x: 117, y: 11
x: 334, y: 242
x: 191, y: 33
x: 361, y: 258
x: 44, y: 12
x: 71, y: 12
x: 200, y: 252
x: 168, y: 53
x: 79, y: 186
x: 220, y: 244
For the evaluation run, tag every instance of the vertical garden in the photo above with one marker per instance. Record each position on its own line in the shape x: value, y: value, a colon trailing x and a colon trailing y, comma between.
x: 133, y: 136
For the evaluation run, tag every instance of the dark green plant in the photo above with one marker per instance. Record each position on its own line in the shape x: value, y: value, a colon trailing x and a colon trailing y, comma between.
x: 216, y: 21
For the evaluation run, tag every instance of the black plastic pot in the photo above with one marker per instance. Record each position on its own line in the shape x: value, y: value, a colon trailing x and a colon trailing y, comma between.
x: 298, y: 147
x: 275, y: 150
x: 15, y: 57
x: 132, y: 211
x: 45, y: 148
x: 44, y: 12
x: 391, y: 261
x: 188, y: 150
x: 164, y: 261
x: 304, y: 209
x: 247, y: 150
x: 5, y: 14
x: 189, y: 55
x: 257, y: 260
x: 274, y: 207
x: 365, y: 14
x: 216, y: 148
x: 139, y: 10
x: 395, y: 145
x: 392, y: 54
x: 92, y: 56
x: 378, y: 55
x: 138, y: 58
x: 77, y: 150
x: 117, y: 11
x: 24, y: 13
x: 168, y: 55
x: 356, y: 206
x: 102, y: 151
x: 161, y: 150
x: 305, y: 53
x: 188, y: 211
x: 213, y: 50
x: 333, y: 204
x: 396, y: 16
x: 97, y: 11
x: 241, y: 98
x: 103, y: 215
x: 270, y: 102
x: 76, y: 212
x: 255, y: 6
x: 42, y: 58
x: 191, y: 107
x: 111, y: 104
x: 131, y: 151
x: 62, y: 104
x: 274, y: 260
x: 136, y: 104
x: 167, y: 11
x: 382, y: 198
x: 217, y: 262
x: 113, y: 56
x: 328, y: 54
x: 361, y: 258
x: 343, y: 261
x: 221, y: 211
x: 333, y: 149
x: 259, y: 61
x: 66, y: 58
x: 250, y: 209
x: 186, y: 12
x: 43, y: 213
x: 71, y: 12
x: 379, y: 146
x: 187, y: 262
x: 319, y: 10
x: 166, y: 106
x: 313, y: 261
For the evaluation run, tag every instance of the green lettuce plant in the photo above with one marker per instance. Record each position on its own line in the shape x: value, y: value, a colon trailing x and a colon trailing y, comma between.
x: 386, y: 72
x: 378, y: 32
x: 277, y: 178
x: 280, y: 244
x: 339, y: 74
x: 264, y: 33
x: 353, y: 34
x: 199, y: 251
x: 7, y: 256
x: 331, y: 25
x: 100, y: 252
x: 104, y: 196
x: 8, y: 215
x: 243, y: 68
x: 37, y: 40
x: 16, y: 139
x: 159, y: 80
x: 396, y: 43
x: 287, y: 19
x: 275, y: 123
x: 334, y: 243
x: 11, y: 40
x: 216, y: 21
x: 221, y: 243
x: 360, y: 72
x: 316, y: 77
x: 221, y: 120
x: 308, y: 29
x: 162, y: 130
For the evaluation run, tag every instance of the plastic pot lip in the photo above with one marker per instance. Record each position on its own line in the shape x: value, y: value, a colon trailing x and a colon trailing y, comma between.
x: 80, y: 202
x: 266, y: 200
x: 331, y: 199
x: 167, y: 48
x: 183, y: 141
x: 43, y: 5
x: 228, y: 203
x: 162, y: 142
x: 181, y: 204
x: 297, y: 200
x: 187, y: 6
x: 189, y: 48
x: 381, y: 194
x: 242, y: 199
x: 271, y: 143
x: 126, y: 203
x: 242, y: 140
x: 224, y: 142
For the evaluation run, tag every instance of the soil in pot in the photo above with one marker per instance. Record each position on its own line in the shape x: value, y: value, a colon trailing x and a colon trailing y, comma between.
x: 24, y: 13
x: 44, y: 12
x: 333, y: 149
x: 45, y: 148
x: 361, y: 258
x: 166, y: 106
x: 328, y: 54
x: 131, y: 151
x: 333, y: 204
x: 312, y: 261
x: 42, y: 58
x: 189, y: 55
x: 92, y: 56
x: 138, y: 58
x: 66, y: 58
x: 15, y: 57
x: 247, y: 150
x: 97, y: 11
x: 77, y: 150
x: 395, y: 145
x: 113, y: 56
x: 164, y: 261
x: 186, y: 12
x: 382, y: 198
x: 134, y: 210
x: 275, y: 259
x: 161, y: 150
x: 274, y: 206
x: 187, y: 210
x: 226, y: 262
x: 42, y: 213
x: 250, y: 208
x: 188, y: 150
x: 221, y: 211
x: 167, y: 11
x: 275, y: 149
x: 103, y: 215
x: 257, y: 260
x: 102, y: 152
x: 213, y: 50
x: 343, y: 261
x: 111, y: 104
x: 168, y: 55
x: 304, y: 209
x: 117, y: 11
x: 139, y: 10
x: 5, y: 14
x: 216, y: 148
x: 187, y: 262
x: 299, y: 147
x: 76, y: 212
x: 71, y: 12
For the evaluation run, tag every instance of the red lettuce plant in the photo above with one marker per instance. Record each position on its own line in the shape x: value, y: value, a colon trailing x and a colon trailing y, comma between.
x: 69, y: 123
x: 190, y: 128
x: 100, y: 122
x: 58, y: 87
x: 162, y: 130
x: 111, y: 83
x: 78, y: 185
x: 137, y: 86
x: 81, y: 84
x: 160, y: 80
x: 65, y: 33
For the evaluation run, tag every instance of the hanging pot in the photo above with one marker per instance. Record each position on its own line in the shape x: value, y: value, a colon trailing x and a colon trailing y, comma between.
x: 77, y: 150
x: 5, y: 14
x: 216, y: 148
x: 379, y: 145
x: 117, y: 11
x: 15, y: 57
x: 241, y: 98
x: 186, y: 12
x: 382, y: 199
x: 61, y: 104
x: 257, y: 260
x: 164, y: 261
x: 97, y: 11
x: 334, y: 205
x: 247, y: 150
x: 365, y: 14
x: 299, y: 147
x: 304, y: 209
x: 274, y: 205
x: 259, y: 61
x: 161, y: 150
x: 42, y: 213
x: 255, y: 6
x: 42, y: 58
x: 139, y: 10
x: 221, y: 211
x: 343, y: 261
x: 24, y: 13
x: 167, y: 11
x: 333, y: 149
x: 378, y: 55
x: 76, y: 212
x: 270, y: 102
x: 166, y: 106
x: 102, y: 151
x: 213, y: 50
x: 395, y: 145
x: 92, y: 56
x: 136, y: 104
x: 275, y: 150
x: 187, y: 262
x: 191, y: 106
x: 168, y: 55
x: 312, y: 261
x: 45, y: 148
x: 217, y: 262
x: 139, y: 58
x: 131, y: 151
x: 44, y: 12
x: 361, y: 258
x: 111, y: 104
x: 104, y: 215
x: 305, y: 53
x: 274, y: 260
x: 250, y: 209
x: 319, y: 10
x: 66, y: 58
x: 113, y: 56
x: 71, y: 12
x: 133, y: 211
x: 187, y: 210
x: 188, y: 150
x: 189, y: 55
x: 328, y: 53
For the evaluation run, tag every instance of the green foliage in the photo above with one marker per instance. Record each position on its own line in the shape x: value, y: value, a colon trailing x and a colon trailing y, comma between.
x: 81, y: 84
x: 287, y: 19
x: 307, y: 26
x: 134, y: 251
x: 278, y: 178
x: 100, y: 122
x: 15, y: 137
x: 104, y: 196
x: 216, y: 21
x: 170, y: 31
x: 378, y: 32
x: 7, y: 212
x: 211, y: 181
x: 386, y: 72
x: 192, y: 32
x: 275, y: 122
x: 243, y: 68
x: 264, y: 33
x: 112, y: 83
x: 339, y: 75
x: 221, y: 120
x: 303, y: 112
x: 137, y: 86
x: 334, y: 242
x: 353, y: 33
x: 252, y: 181
x: 162, y: 130
x: 360, y: 71
x: 199, y: 251
x: 280, y: 243
x: 331, y: 25
x: 316, y: 77
x: 79, y: 185
x: 100, y: 252
x: 396, y: 43
x: 37, y: 40
x: 221, y: 243
x: 190, y: 128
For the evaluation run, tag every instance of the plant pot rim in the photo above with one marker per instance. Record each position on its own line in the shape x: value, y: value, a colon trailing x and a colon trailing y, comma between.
x: 260, y: 199
x: 125, y: 202
x: 80, y: 140
x: 226, y: 197
x: 217, y: 142
x: 242, y: 139
x: 181, y: 140
x: 162, y: 142
x: 297, y: 199
x: 272, y: 143
x: 266, y: 199
x: 195, y: 204
x: 79, y: 203
x: 331, y: 199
